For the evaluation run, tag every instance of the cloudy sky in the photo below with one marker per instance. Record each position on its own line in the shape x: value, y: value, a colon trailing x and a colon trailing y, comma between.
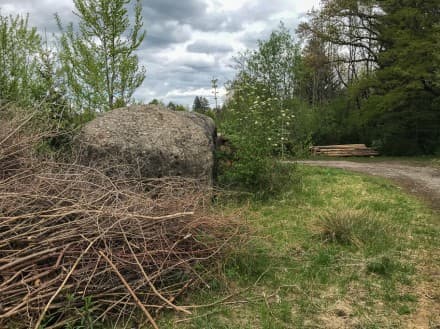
x: 188, y: 41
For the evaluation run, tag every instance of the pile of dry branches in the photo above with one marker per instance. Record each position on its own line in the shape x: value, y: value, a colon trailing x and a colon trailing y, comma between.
x: 68, y: 233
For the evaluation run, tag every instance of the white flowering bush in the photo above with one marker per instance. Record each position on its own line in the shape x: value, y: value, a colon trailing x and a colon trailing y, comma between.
x: 258, y: 128
x: 259, y: 119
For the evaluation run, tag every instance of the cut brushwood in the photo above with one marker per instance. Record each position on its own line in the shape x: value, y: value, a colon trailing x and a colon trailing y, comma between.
x: 70, y: 233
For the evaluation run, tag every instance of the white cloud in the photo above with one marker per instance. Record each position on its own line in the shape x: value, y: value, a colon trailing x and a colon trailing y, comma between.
x: 189, y: 41
x: 205, y: 92
x: 226, y: 5
x: 305, y: 6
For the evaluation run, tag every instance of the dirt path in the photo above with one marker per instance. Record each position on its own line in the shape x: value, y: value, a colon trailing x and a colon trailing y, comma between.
x: 423, y: 181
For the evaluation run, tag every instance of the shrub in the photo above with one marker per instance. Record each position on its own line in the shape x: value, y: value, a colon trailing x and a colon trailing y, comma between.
x: 259, y: 117
x: 263, y: 175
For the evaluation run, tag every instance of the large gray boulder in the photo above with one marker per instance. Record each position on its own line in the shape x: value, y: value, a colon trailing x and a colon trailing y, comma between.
x: 152, y: 140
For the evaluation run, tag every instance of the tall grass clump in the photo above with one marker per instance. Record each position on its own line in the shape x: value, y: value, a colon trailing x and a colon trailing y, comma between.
x: 358, y: 228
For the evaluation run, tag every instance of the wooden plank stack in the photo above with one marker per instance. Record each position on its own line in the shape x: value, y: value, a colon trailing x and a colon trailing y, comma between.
x: 346, y: 150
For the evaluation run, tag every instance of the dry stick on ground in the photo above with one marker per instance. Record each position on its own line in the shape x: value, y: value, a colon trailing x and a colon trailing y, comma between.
x: 63, y: 233
x: 197, y: 316
x: 135, y: 297
x: 179, y: 293
x: 223, y: 301
x: 16, y: 130
x: 158, y: 294
x: 46, y: 308
x: 46, y: 205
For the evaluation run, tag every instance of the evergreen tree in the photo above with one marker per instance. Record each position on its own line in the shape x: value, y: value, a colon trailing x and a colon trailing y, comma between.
x: 385, y: 55
x: 155, y: 101
x: 176, y: 107
x: 403, y: 110
x: 100, y: 66
x: 204, y: 104
x: 201, y: 105
x: 197, y: 105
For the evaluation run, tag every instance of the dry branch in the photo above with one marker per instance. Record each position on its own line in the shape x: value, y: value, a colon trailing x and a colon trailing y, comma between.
x: 60, y: 224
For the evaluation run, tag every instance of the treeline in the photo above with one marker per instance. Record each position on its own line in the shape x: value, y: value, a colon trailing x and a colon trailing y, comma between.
x: 357, y: 71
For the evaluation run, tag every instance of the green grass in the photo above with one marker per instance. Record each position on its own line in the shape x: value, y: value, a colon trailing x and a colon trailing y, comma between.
x: 341, y: 251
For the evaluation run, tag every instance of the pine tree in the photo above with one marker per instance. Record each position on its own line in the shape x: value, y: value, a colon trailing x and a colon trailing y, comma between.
x: 204, y: 104
x: 197, y: 105
x: 406, y: 100
x: 201, y: 105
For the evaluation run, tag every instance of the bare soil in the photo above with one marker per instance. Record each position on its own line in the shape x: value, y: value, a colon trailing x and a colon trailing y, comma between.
x: 420, y: 180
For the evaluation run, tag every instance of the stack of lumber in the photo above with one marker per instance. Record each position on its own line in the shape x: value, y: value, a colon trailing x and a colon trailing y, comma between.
x: 347, y: 150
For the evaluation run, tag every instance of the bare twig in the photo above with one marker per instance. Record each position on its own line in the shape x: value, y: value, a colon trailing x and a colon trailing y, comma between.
x: 56, y: 218
x: 135, y: 297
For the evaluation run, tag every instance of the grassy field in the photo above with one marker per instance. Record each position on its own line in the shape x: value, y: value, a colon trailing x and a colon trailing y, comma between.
x: 341, y: 250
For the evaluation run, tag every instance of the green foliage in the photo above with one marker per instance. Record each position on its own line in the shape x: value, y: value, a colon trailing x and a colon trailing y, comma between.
x: 201, y: 105
x: 20, y: 49
x: 87, y: 317
x: 99, y: 62
x: 265, y: 176
x: 30, y: 79
x: 177, y: 107
x: 263, y: 102
x: 385, y: 53
x: 275, y: 65
x: 155, y: 101
x: 437, y: 56
x: 255, y: 138
x: 406, y: 99
x: 259, y: 118
x: 248, y: 263
x: 86, y: 313
x: 387, y: 267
